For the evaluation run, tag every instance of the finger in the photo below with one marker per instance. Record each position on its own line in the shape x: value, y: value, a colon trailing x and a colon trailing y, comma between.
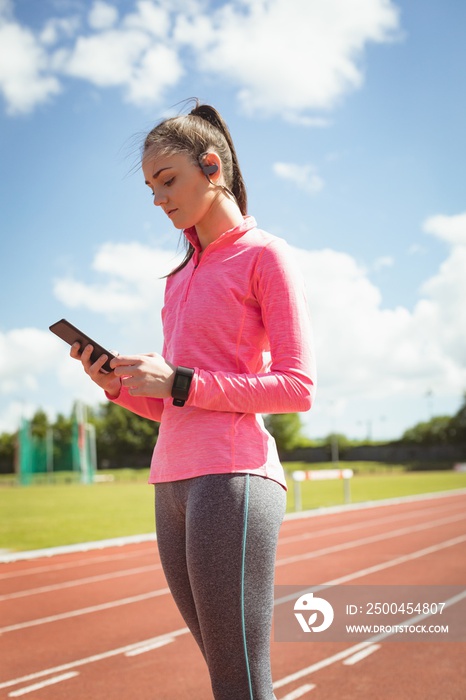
x: 86, y: 353
x: 126, y: 360
x: 128, y: 381
x: 75, y: 351
x: 96, y: 368
x: 85, y: 357
x: 124, y: 370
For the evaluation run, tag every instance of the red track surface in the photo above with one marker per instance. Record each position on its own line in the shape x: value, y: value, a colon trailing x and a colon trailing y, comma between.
x: 102, y: 625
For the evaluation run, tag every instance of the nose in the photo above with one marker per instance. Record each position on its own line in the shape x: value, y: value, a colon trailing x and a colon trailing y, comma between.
x: 159, y: 199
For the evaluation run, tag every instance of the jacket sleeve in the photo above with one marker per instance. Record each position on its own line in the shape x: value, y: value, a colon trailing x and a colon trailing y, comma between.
x: 145, y: 406
x: 289, y: 384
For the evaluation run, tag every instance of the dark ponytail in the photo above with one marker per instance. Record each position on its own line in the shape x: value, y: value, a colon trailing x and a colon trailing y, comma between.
x: 201, y: 130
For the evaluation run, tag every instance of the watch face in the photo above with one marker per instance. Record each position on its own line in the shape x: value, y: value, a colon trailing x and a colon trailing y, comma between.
x: 183, y: 382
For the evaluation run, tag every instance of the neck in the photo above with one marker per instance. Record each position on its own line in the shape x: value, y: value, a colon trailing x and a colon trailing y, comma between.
x: 223, y: 215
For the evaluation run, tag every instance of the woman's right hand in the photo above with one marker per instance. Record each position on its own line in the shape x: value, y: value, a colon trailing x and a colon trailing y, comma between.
x: 106, y: 380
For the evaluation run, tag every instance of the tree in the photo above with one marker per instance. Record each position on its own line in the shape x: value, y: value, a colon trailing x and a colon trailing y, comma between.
x: 39, y: 424
x: 62, y: 431
x: 7, y: 452
x: 458, y: 424
x: 62, y: 428
x: 436, y: 431
x: 286, y: 429
x: 121, y: 433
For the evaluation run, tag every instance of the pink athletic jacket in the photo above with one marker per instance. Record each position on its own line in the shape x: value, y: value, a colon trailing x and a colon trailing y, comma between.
x: 239, y: 316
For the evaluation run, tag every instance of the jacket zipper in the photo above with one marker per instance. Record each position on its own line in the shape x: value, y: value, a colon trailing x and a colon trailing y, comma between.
x: 188, y: 287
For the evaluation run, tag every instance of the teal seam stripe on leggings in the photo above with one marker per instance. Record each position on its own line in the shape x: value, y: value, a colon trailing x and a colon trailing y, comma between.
x: 245, y: 528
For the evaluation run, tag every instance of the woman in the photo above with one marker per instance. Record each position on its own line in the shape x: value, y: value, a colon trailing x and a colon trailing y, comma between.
x: 236, y: 345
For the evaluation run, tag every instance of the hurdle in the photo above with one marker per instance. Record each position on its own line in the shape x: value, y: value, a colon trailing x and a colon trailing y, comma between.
x: 320, y: 475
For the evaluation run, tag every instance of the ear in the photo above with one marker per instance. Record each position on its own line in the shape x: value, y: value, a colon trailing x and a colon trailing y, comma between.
x: 210, y: 165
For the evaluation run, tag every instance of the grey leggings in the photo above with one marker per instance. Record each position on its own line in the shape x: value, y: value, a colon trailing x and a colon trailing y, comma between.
x: 217, y: 537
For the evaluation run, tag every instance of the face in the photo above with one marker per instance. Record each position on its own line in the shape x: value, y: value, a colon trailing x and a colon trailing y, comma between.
x: 179, y: 187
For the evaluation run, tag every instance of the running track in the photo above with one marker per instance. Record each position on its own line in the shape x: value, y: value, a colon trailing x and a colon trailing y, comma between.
x: 101, y: 624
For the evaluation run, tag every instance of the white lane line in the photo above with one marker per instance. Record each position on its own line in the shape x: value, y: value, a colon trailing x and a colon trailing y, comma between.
x: 369, y: 540
x: 91, y: 659
x: 11, y: 557
x: 184, y: 630
x: 342, y: 579
x: 85, y: 611
x: 280, y: 562
x: 299, y: 692
x: 323, y: 663
x: 74, y: 548
x: 43, y: 684
x: 72, y: 564
x: 49, y: 567
x: 278, y: 684
x: 81, y: 582
x: 377, y: 567
x: 150, y: 647
x: 360, y: 655
x: 351, y: 651
x: 365, y: 524
x: 366, y: 505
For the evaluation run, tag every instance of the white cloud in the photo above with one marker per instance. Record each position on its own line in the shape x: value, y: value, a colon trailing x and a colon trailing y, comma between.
x: 382, y: 262
x: 360, y: 347
x: 135, y: 54
x: 366, y: 351
x: 129, y: 57
x: 25, y: 80
x: 107, y: 59
x: 451, y: 229
x: 134, y: 262
x: 25, y: 353
x: 131, y: 291
x: 193, y: 30
x: 416, y: 249
x: 58, y: 28
x: 159, y: 69
x: 149, y: 18
x: 112, y: 297
x: 299, y: 57
x: 445, y: 312
x: 102, y: 15
x: 295, y: 56
x: 304, y: 176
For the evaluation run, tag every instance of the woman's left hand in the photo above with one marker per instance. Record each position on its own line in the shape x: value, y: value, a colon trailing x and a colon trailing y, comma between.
x: 145, y: 375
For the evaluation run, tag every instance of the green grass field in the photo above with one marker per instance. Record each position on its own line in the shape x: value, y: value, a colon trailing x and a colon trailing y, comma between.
x: 48, y: 515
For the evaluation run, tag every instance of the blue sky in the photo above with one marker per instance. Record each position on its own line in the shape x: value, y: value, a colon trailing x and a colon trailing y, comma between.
x: 348, y: 117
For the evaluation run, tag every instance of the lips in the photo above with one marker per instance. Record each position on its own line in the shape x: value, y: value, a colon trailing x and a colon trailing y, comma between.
x: 169, y: 212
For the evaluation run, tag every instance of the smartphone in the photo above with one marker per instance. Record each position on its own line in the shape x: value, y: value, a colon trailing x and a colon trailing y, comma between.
x: 70, y: 334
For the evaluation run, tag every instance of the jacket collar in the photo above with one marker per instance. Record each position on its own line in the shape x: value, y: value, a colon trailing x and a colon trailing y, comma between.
x: 225, y: 238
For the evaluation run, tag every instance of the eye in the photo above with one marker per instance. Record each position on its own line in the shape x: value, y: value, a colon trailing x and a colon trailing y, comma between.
x: 169, y: 182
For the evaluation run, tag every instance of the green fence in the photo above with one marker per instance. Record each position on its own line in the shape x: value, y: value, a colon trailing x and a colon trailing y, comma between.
x: 50, y: 454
